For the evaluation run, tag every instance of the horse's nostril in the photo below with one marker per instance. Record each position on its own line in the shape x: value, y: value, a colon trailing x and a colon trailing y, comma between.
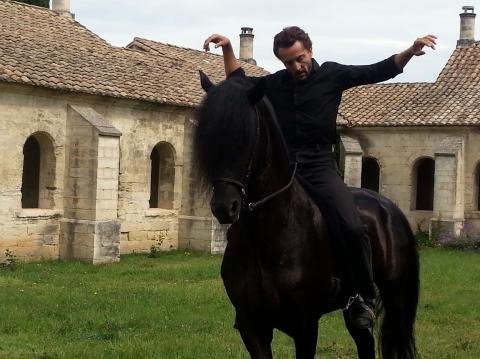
x: 234, y: 208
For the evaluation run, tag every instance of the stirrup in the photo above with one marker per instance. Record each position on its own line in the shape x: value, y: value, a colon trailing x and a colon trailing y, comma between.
x: 360, y: 312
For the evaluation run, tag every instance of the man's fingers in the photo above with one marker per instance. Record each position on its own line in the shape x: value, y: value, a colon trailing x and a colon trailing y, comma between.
x: 206, y: 44
x: 216, y: 39
x: 430, y: 41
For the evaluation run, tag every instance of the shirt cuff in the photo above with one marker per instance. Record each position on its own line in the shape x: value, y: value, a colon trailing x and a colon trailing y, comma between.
x: 394, y: 70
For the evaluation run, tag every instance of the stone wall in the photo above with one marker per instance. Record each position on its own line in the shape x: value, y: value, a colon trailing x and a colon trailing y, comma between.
x: 143, y: 127
x: 198, y: 229
x: 94, y: 196
x: 104, y: 188
x: 456, y: 151
x: 30, y: 233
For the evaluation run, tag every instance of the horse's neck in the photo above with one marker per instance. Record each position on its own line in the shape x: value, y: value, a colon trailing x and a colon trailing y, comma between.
x: 272, y: 170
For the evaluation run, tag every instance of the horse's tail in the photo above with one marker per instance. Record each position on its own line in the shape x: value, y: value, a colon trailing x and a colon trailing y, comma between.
x: 400, y: 297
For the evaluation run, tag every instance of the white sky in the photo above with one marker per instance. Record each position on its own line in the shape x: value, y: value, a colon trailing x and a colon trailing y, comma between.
x: 345, y: 31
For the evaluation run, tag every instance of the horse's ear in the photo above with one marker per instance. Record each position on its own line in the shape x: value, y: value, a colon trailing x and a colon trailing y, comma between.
x: 207, y: 85
x: 256, y: 93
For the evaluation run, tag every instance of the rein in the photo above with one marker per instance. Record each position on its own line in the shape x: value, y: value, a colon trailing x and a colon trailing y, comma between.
x: 253, y: 205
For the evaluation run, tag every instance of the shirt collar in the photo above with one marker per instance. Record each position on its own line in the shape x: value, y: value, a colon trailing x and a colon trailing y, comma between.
x: 287, y: 77
x: 314, y: 70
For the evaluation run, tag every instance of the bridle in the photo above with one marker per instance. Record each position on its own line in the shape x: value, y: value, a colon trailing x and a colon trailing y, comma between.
x: 243, y: 184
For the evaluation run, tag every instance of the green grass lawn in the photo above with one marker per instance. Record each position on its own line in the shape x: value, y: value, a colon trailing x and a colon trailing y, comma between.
x: 175, y: 307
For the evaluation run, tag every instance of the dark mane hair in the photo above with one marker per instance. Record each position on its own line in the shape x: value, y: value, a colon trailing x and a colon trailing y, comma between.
x: 225, y: 128
x: 288, y: 36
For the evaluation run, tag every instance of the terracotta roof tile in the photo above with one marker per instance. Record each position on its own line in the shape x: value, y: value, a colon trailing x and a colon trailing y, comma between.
x: 67, y: 56
x: 452, y: 100
x: 39, y: 47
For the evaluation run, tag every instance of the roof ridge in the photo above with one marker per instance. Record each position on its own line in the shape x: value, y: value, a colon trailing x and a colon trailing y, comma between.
x: 141, y: 39
x: 28, y: 5
x: 397, y: 84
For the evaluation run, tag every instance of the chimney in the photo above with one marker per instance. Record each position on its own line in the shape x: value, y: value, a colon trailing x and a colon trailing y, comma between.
x: 246, y: 45
x: 62, y: 7
x: 467, y: 27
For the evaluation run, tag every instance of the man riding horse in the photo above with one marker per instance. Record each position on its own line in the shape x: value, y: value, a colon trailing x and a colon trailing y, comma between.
x: 306, y: 97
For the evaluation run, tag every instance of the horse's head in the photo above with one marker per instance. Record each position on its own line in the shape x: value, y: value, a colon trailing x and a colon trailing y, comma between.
x: 225, y: 142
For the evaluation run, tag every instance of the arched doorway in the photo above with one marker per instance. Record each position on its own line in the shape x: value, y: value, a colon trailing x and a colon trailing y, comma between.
x: 38, y: 176
x: 162, y: 176
x: 370, y: 174
x: 424, y: 175
x: 477, y: 187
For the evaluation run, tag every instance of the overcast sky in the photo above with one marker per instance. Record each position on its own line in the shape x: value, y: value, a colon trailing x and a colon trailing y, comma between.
x: 345, y: 31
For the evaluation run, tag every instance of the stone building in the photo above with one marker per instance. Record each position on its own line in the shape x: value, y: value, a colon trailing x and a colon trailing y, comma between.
x: 419, y: 143
x: 96, y: 140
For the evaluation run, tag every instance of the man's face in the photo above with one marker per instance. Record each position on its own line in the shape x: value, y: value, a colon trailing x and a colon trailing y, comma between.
x: 297, y: 60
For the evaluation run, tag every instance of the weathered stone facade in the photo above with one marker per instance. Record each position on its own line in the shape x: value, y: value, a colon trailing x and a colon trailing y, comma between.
x: 96, y: 140
x: 97, y: 143
x: 98, y: 198
x: 456, y: 154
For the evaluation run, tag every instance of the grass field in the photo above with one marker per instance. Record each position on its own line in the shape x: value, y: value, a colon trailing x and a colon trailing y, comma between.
x: 175, y: 307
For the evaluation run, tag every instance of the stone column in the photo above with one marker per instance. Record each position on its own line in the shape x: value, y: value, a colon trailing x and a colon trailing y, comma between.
x: 351, y: 161
x: 90, y: 230
x: 448, y: 202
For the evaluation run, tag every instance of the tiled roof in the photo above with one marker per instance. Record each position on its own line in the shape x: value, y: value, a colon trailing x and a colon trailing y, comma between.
x: 209, y: 63
x: 40, y: 48
x: 452, y: 100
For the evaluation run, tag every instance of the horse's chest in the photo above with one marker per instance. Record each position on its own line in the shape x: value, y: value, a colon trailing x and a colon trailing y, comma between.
x: 269, y: 286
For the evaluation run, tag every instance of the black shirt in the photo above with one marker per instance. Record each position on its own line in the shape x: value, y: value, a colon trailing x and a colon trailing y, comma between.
x: 307, y: 109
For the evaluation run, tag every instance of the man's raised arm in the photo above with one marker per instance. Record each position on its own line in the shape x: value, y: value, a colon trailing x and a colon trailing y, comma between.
x: 229, y: 60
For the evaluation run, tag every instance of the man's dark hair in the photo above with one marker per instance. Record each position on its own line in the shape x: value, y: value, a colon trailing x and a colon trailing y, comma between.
x: 288, y: 36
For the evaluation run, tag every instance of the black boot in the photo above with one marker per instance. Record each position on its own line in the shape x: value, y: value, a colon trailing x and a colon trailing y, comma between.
x: 361, y: 312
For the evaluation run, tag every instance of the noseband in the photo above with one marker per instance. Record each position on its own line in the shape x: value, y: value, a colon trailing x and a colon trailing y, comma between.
x: 243, y: 184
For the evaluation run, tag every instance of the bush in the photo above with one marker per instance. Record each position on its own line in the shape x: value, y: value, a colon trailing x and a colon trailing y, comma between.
x: 467, y: 240
x: 10, y: 260
x: 423, y: 239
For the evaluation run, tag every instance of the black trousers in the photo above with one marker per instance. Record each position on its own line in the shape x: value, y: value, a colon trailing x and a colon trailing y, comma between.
x: 318, y: 172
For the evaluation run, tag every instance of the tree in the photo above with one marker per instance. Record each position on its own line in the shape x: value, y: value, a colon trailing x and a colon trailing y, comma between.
x: 42, y: 3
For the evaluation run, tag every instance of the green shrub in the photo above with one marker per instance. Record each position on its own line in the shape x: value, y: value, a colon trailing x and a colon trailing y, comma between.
x: 423, y: 239
x: 10, y: 260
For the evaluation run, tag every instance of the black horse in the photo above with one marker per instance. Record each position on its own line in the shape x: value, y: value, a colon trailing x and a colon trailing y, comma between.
x: 279, y: 261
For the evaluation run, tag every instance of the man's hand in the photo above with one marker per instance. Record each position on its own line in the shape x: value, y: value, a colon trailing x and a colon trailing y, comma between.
x: 218, y: 40
x: 416, y: 49
x: 229, y: 59
x: 421, y: 42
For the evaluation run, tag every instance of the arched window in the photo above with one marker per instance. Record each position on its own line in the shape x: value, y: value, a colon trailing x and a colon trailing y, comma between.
x: 370, y: 174
x: 162, y: 176
x: 424, y: 184
x: 38, y: 177
x: 477, y: 187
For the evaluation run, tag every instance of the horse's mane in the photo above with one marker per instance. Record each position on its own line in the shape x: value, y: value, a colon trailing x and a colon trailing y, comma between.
x: 225, y: 120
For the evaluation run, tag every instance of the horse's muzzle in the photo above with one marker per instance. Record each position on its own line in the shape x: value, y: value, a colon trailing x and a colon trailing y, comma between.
x: 226, y: 213
x: 226, y: 203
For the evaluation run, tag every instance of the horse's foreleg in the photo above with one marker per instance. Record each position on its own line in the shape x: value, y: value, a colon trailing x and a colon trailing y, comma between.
x: 363, y: 338
x: 306, y: 341
x: 256, y: 337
